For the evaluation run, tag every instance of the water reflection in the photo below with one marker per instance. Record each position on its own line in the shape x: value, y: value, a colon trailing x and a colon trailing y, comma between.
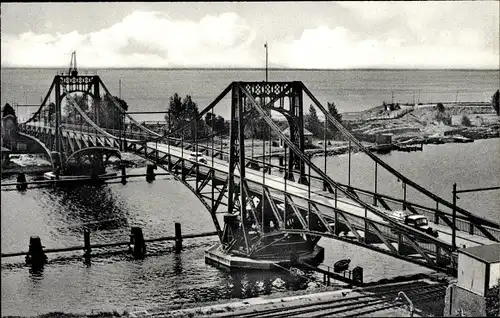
x: 87, y: 204
x: 177, y: 266
x: 36, y: 272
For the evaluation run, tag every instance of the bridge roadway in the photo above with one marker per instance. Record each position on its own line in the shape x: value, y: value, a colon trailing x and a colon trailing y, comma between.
x: 320, y: 197
x: 317, y: 195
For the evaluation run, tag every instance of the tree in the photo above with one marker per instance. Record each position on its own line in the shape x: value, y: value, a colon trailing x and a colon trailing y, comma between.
x: 492, y: 301
x: 495, y: 101
x: 110, y: 115
x: 440, y: 107
x: 332, y: 131
x: 311, y: 122
x: 466, y: 121
x: 8, y: 110
x: 181, y: 113
x: 70, y: 112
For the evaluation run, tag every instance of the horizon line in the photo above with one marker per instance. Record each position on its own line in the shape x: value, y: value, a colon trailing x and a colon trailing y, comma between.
x: 255, y: 68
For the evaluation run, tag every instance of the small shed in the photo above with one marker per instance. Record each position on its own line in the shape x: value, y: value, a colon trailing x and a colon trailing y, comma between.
x: 479, y: 268
x: 307, y: 137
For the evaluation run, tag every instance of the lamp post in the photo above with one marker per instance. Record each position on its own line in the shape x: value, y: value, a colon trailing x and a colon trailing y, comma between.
x: 265, y: 45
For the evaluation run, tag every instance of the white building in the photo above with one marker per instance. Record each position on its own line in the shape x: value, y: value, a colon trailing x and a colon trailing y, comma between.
x: 479, y: 268
x: 478, y: 271
x: 307, y: 137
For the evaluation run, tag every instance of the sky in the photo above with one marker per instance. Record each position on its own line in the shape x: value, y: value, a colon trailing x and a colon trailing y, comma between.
x: 317, y: 35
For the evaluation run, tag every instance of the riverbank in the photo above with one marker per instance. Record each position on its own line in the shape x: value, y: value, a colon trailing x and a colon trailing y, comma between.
x: 427, y: 122
x: 341, y: 297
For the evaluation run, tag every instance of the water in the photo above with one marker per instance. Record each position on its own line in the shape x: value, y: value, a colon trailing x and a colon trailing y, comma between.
x: 121, y: 283
x: 351, y: 90
x: 470, y: 165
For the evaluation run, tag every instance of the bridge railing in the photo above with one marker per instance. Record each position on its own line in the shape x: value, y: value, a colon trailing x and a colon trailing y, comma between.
x: 433, y: 214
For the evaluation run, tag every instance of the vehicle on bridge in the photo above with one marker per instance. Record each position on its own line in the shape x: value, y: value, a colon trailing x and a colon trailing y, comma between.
x: 198, y: 157
x: 421, y: 223
x: 416, y: 221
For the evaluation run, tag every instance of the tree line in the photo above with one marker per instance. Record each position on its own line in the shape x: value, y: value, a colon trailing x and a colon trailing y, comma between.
x: 109, y: 116
x: 317, y: 128
x: 182, y: 111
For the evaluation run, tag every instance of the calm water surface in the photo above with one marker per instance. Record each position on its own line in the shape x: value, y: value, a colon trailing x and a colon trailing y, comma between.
x: 351, y: 90
x: 163, y: 278
x: 116, y: 281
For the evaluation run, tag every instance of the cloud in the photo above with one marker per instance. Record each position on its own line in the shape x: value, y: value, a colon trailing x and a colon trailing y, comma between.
x: 410, y: 35
x: 213, y: 41
x: 341, y: 48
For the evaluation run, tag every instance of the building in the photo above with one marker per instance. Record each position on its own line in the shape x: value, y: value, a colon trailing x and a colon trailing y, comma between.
x: 478, y: 271
x: 307, y: 137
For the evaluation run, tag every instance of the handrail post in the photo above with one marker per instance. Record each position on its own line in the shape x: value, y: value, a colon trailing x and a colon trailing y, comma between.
x: 453, y: 230
x: 375, y: 196
x: 400, y: 296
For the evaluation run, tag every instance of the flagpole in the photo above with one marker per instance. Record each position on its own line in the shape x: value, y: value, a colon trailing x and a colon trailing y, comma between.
x: 265, y: 45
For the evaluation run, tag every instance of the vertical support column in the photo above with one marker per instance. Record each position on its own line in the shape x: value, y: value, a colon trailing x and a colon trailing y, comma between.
x: 366, y: 226
x: 232, y: 149
x: 324, y: 146
x: 453, y: 230
x: 404, y: 196
x: 299, y: 113
x: 349, y: 170
x: 57, y: 80
x: 376, y: 177
x: 97, y: 101
x: 436, y: 214
x: 237, y: 99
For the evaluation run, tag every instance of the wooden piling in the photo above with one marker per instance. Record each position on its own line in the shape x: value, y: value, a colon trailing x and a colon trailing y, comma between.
x: 178, y: 238
x: 124, y: 174
x: 150, y: 174
x: 21, y: 180
x: 86, y: 240
x: 36, y: 256
x: 137, y: 244
x: 357, y: 274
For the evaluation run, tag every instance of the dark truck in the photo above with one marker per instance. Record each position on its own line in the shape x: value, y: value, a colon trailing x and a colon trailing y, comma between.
x: 420, y: 222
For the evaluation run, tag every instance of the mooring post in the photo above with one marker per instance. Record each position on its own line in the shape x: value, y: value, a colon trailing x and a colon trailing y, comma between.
x: 21, y: 178
x: 178, y: 237
x: 86, y: 243
x: 36, y: 256
x: 137, y: 244
x: 124, y: 174
x: 150, y: 174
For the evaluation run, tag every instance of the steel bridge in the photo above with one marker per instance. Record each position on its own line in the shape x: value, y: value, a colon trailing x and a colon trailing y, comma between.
x: 263, y: 212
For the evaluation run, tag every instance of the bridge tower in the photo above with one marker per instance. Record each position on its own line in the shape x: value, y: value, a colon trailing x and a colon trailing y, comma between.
x: 251, y: 215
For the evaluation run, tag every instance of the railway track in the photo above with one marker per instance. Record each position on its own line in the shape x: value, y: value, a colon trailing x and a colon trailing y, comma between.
x: 379, y: 298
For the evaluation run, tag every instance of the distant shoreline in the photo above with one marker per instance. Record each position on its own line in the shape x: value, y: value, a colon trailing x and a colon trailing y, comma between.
x: 250, y: 69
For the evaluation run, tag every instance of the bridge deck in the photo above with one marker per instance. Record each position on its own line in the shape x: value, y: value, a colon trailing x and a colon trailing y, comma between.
x: 321, y: 197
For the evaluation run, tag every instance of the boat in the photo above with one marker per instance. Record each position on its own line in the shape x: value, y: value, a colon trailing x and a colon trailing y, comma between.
x: 341, y: 265
x: 52, y: 176
x: 462, y: 139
